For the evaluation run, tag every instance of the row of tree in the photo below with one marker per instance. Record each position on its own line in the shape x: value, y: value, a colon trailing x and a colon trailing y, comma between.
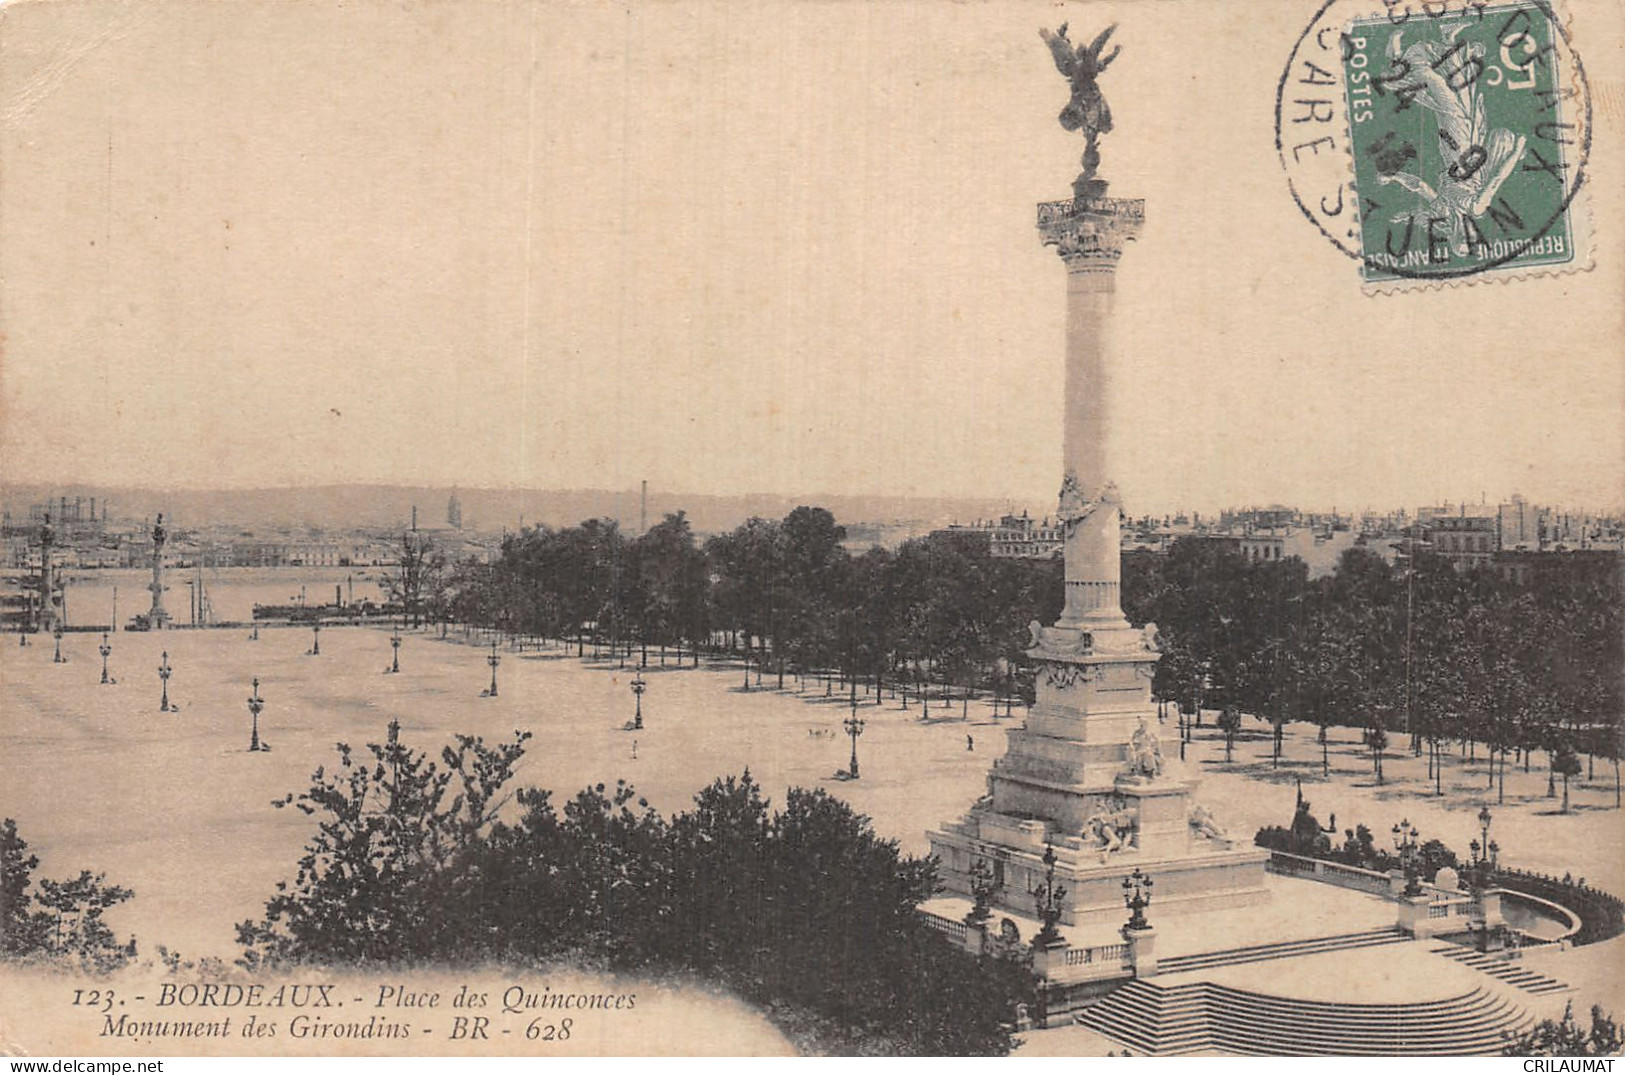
x: 1424, y: 649
x: 1443, y: 655
x: 786, y: 594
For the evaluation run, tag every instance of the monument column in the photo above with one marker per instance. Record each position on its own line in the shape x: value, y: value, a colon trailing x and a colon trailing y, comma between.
x: 49, y: 597
x: 1089, y: 233
x: 1081, y: 794
x: 158, y: 617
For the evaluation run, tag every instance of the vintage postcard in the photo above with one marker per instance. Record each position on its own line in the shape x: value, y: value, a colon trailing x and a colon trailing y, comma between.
x: 550, y: 529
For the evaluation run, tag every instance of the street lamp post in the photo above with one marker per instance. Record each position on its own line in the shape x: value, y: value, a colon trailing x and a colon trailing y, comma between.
x: 638, y: 687
x: 57, y: 634
x: 255, y: 705
x: 1405, y: 835
x: 315, y: 640
x: 106, y: 651
x: 493, y: 660
x: 854, y: 728
x: 1048, y: 896
x: 1137, y: 897
x: 164, y: 672
x: 1485, y: 852
x: 395, y: 644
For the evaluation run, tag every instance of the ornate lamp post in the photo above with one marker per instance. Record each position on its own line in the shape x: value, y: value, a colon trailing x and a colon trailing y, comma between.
x: 57, y: 634
x: 315, y: 640
x: 395, y: 644
x: 983, y: 890
x: 255, y: 637
x: 1484, y: 852
x: 854, y: 728
x: 1048, y: 896
x: 106, y: 651
x: 1405, y: 835
x: 1137, y: 897
x: 255, y: 705
x: 638, y: 687
x: 164, y: 672
x: 493, y: 661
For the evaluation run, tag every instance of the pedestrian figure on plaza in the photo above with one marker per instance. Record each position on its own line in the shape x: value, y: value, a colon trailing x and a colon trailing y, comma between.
x: 970, y: 744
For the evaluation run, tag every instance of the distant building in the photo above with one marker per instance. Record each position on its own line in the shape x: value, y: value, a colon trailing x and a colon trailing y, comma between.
x: 1521, y: 525
x: 1320, y: 550
x: 1011, y: 537
x: 289, y: 554
x: 1467, y: 541
x: 1274, y: 517
x: 1528, y: 568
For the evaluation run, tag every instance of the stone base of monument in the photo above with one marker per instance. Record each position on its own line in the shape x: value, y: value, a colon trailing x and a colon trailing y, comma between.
x: 1209, y: 875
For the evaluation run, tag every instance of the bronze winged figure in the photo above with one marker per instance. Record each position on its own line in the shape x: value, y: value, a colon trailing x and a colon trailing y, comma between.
x: 1087, y: 111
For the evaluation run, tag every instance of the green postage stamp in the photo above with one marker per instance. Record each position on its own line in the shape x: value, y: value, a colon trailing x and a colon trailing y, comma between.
x: 1467, y: 156
x: 1438, y: 142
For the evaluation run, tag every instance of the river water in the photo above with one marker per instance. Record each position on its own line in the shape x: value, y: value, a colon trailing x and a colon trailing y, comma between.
x: 230, y: 592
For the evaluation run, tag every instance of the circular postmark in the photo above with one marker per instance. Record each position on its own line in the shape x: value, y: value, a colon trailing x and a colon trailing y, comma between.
x: 1432, y: 140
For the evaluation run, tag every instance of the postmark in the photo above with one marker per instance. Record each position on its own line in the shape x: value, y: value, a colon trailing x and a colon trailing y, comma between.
x: 1437, y: 143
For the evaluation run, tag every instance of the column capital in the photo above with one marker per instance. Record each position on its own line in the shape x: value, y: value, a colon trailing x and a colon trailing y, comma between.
x: 1090, y: 234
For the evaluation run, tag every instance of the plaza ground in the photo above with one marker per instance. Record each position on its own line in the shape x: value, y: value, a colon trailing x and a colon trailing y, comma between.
x: 173, y: 806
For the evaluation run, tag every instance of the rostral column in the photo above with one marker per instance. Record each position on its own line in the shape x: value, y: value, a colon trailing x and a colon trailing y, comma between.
x: 158, y: 616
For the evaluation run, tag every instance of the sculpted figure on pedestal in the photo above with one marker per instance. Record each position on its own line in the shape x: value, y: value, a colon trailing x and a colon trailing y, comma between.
x: 1145, y: 752
x: 1205, y: 824
x: 1111, y: 830
x: 1076, y: 503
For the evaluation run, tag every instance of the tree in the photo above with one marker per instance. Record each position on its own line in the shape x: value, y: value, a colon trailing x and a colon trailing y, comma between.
x: 1378, y: 737
x: 1565, y: 763
x: 418, y: 583
x: 1229, y: 723
x: 19, y: 931
x: 384, y: 878
x: 669, y: 569
x: 67, y: 929
x: 1565, y: 1037
x: 804, y: 906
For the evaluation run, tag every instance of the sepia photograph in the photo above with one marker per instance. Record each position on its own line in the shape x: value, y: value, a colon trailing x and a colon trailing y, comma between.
x: 812, y: 528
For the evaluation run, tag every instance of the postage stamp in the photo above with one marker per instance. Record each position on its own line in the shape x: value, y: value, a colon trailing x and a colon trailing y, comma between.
x: 1467, y: 139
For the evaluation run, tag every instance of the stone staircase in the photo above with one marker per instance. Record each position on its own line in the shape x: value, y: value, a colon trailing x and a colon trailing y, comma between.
x: 1200, y: 1016
x: 1507, y: 970
x: 1281, y: 950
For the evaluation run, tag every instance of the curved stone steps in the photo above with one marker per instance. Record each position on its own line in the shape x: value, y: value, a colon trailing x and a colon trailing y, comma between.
x: 1196, y: 1016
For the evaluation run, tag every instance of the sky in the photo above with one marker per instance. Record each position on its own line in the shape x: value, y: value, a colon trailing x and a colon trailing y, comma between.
x: 731, y: 248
